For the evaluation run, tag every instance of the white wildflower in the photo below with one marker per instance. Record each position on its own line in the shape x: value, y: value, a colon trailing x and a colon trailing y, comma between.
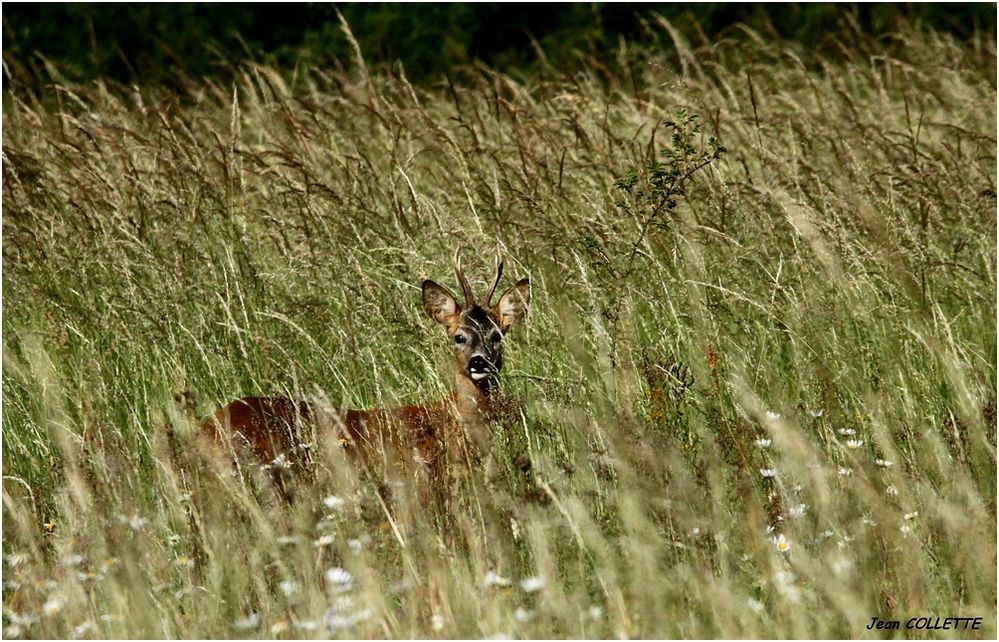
x: 437, y: 621
x: 285, y: 540
x: 53, y: 605
x: 523, y: 615
x: 854, y: 444
x: 768, y: 472
x: 772, y: 416
x: 532, y: 584
x: 90, y: 576
x: 135, y: 522
x: 336, y: 620
x: 911, y: 516
x: 884, y: 463
x: 817, y: 413
x: 847, y: 432
x: 844, y: 542
x: 340, y: 580
x: 304, y: 625
x: 251, y: 621
x: 891, y: 491
x: 83, y: 629
x: 905, y: 529
x: 844, y: 472
x: 781, y: 543
x: 281, y: 461
x: 515, y: 529
x: 288, y: 587
x: 399, y: 587
x: 841, y: 565
x: 755, y: 605
x: 333, y: 502
x: 797, y: 511
x: 341, y: 603
x: 22, y: 620
x: 763, y: 442
x: 72, y: 560
x: 494, y: 579
x: 324, y: 540
x: 596, y: 612
x: 784, y: 582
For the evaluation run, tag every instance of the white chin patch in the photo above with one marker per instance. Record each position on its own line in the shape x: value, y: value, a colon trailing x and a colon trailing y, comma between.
x: 478, y: 375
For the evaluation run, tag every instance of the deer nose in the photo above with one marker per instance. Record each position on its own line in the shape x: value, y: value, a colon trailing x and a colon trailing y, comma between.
x: 478, y: 365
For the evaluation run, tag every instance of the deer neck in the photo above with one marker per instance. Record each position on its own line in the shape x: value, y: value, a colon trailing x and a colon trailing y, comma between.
x: 473, y: 401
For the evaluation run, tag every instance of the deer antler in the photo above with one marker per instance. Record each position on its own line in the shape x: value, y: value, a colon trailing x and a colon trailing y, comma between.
x: 465, y: 287
x: 499, y: 272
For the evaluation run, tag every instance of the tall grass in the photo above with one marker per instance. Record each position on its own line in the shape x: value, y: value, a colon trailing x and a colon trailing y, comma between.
x: 759, y: 396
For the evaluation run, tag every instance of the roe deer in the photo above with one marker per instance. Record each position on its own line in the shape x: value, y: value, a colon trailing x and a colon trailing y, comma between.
x: 410, y: 441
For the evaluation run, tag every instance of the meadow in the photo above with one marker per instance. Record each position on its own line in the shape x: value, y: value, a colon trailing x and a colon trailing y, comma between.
x: 758, y: 374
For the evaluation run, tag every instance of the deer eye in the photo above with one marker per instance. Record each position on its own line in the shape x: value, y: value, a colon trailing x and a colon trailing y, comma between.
x: 459, y: 339
x: 496, y: 337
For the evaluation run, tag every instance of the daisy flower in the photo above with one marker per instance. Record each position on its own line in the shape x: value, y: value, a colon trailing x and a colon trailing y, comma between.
x: 523, y: 615
x: 333, y: 502
x: 340, y: 580
x: 532, y: 584
x: 251, y: 621
x: 494, y: 579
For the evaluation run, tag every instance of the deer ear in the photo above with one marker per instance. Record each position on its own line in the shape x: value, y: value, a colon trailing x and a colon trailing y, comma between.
x: 439, y: 303
x: 513, y: 304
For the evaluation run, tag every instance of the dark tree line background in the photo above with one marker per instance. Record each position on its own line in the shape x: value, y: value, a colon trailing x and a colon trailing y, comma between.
x: 159, y: 43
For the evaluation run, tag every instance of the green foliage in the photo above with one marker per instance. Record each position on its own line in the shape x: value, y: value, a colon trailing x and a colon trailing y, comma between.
x: 663, y: 180
x: 747, y: 258
x: 154, y: 43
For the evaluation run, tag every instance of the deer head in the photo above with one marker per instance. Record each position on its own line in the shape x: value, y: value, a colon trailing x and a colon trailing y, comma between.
x: 477, y: 327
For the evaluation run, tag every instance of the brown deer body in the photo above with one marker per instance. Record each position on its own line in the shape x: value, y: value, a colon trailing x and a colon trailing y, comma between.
x: 417, y: 441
